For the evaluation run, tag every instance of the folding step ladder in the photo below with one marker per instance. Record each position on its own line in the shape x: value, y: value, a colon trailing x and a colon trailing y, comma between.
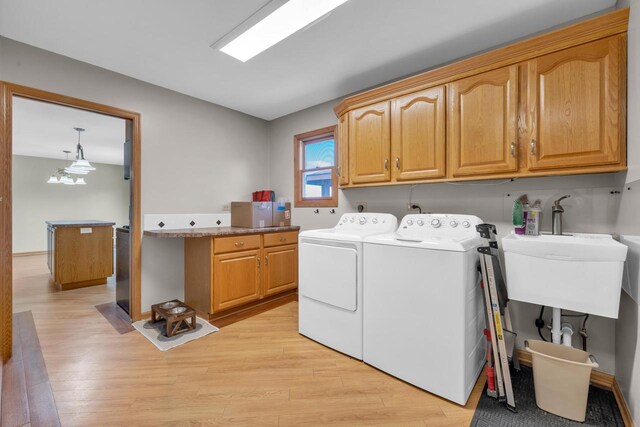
x: 498, y: 318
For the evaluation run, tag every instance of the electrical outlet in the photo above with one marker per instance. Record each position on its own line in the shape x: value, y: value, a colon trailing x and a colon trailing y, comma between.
x: 226, y: 208
x: 361, y: 206
x: 414, y: 207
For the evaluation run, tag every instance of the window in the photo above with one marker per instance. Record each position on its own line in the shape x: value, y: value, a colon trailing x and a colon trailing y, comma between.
x: 315, y: 168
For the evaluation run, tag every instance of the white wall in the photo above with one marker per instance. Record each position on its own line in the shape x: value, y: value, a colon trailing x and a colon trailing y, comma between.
x: 628, y: 324
x: 105, y: 197
x: 196, y: 156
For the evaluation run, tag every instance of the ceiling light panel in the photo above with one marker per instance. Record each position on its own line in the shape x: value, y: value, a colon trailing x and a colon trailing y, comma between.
x: 291, y: 17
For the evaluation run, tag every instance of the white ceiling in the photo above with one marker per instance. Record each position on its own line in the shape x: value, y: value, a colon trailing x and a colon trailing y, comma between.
x: 45, y: 130
x: 361, y: 44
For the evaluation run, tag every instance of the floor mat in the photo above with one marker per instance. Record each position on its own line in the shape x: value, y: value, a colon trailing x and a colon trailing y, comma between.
x: 602, y: 409
x: 116, y: 316
x: 155, y: 332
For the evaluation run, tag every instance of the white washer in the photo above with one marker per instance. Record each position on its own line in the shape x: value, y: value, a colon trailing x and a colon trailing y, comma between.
x: 330, y: 282
x: 423, y: 308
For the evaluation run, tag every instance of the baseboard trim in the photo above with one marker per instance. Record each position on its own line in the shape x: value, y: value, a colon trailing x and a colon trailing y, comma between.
x: 622, y: 404
x: 234, y: 315
x: 20, y: 254
x: 598, y: 379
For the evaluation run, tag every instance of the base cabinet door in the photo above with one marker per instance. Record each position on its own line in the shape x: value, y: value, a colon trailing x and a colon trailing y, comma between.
x: 575, y: 102
x: 482, y: 114
x: 280, y: 269
x: 418, y: 135
x: 236, y: 279
x: 370, y: 143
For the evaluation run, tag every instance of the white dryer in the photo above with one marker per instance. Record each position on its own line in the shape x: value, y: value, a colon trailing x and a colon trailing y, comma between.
x: 424, y: 315
x: 330, y: 280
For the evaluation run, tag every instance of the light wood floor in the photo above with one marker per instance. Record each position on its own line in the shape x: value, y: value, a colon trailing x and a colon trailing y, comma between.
x: 259, y: 371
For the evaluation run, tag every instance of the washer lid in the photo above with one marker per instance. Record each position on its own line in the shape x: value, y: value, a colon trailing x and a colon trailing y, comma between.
x: 355, y: 227
x: 460, y: 244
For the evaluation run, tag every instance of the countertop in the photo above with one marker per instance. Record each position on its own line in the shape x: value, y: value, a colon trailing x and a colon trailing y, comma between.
x: 218, y: 231
x: 80, y: 223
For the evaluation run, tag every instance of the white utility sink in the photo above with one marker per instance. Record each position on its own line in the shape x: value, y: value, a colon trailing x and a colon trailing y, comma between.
x: 631, y: 283
x: 581, y: 272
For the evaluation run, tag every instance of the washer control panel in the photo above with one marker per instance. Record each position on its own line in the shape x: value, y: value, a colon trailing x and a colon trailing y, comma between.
x: 449, y: 225
x: 382, y: 222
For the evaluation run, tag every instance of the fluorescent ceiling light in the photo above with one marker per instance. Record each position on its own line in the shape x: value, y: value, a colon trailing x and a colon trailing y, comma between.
x: 280, y: 24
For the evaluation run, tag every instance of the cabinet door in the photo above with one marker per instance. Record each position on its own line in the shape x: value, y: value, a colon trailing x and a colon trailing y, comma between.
x: 370, y: 144
x: 574, y: 98
x: 343, y: 149
x: 418, y: 135
x: 280, y: 269
x: 482, y: 115
x: 236, y: 279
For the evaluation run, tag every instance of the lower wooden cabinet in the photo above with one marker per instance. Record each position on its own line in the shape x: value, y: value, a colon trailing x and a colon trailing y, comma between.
x: 279, y: 276
x: 236, y: 279
x: 230, y: 273
x: 80, y: 256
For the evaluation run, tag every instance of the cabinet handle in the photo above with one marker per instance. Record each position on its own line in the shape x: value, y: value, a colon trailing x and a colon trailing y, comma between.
x: 533, y: 146
x: 386, y: 164
x: 283, y: 239
x: 258, y: 259
x: 513, y: 150
x: 239, y: 244
x: 398, y: 163
x: 338, y: 171
x: 266, y: 261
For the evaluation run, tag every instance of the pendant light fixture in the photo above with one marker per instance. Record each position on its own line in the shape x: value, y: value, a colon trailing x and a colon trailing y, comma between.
x: 62, y: 176
x: 80, y: 166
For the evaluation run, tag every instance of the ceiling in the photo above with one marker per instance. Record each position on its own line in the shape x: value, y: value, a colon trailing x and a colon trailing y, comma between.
x: 361, y: 44
x: 44, y: 130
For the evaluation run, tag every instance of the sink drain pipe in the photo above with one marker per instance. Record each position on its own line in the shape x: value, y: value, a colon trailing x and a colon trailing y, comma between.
x: 561, y: 333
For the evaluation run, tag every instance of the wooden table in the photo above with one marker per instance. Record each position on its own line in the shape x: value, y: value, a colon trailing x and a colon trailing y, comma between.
x: 172, y: 312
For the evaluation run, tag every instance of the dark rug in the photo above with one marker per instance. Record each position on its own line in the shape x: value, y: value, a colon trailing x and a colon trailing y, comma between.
x: 602, y: 409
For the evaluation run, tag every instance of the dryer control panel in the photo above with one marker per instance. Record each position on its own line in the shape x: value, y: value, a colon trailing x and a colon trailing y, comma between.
x: 375, y: 222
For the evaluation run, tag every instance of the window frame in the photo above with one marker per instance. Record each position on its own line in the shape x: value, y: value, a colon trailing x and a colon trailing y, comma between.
x: 299, y: 142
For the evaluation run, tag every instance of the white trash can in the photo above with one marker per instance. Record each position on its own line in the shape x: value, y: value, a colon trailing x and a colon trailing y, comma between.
x: 561, y: 377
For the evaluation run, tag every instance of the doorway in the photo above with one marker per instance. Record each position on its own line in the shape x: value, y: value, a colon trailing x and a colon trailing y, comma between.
x: 9, y: 95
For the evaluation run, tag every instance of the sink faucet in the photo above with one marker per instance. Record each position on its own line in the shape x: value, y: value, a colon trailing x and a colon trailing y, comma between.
x: 556, y: 216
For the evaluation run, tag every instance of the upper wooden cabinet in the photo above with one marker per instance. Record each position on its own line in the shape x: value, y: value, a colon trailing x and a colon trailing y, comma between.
x: 483, y: 123
x: 370, y: 143
x: 574, y: 102
x: 343, y: 150
x: 418, y: 135
x: 554, y: 104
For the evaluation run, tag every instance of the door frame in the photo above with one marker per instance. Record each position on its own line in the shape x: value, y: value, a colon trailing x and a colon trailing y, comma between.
x: 7, y: 92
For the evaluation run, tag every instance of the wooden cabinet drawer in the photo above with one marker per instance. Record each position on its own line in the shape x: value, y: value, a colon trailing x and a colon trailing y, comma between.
x: 276, y: 239
x: 236, y: 243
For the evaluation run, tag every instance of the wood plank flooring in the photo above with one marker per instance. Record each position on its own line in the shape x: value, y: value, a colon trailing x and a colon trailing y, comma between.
x: 258, y: 371
x: 27, y: 396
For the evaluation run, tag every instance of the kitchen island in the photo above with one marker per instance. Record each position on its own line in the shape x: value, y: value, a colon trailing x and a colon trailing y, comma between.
x: 80, y: 252
x: 233, y: 272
